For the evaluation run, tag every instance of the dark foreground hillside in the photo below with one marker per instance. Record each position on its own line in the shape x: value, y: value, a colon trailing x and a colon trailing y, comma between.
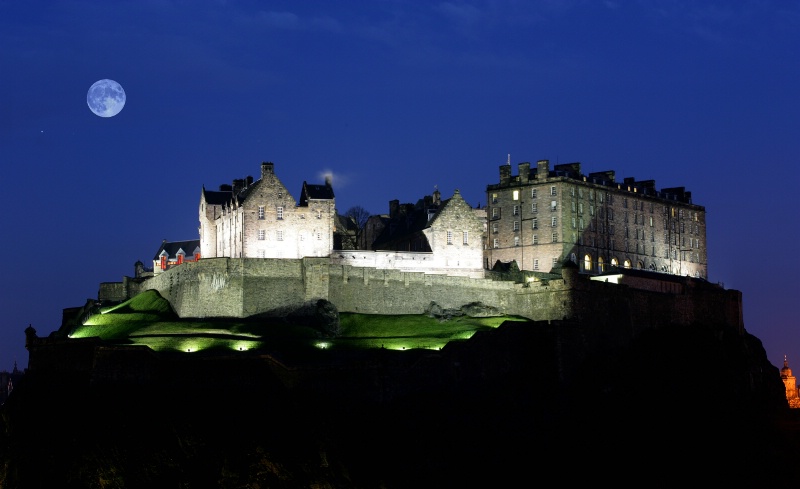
x: 524, y: 405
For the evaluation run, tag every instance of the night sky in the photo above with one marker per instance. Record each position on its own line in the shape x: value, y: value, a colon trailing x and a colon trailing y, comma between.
x: 393, y: 99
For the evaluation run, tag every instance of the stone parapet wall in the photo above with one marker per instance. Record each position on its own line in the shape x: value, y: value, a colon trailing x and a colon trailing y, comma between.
x: 112, y: 291
x: 407, y: 261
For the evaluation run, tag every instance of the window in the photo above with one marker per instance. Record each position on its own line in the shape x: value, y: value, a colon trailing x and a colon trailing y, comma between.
x: 262, y: 234
x: 516, y: 210
x: 279, y: 235
x: 495, y: 243
x: 279, y: 211
x: 494, y: 228
x: 535, y: 263
x: 535, y: 223
x: 555, y: 237
x: 516, y: 225
x: 319, y: 214
x: 449, y: 237
x: 262, y: 254
x: 494, y: 198
x: 555, y: 260
x: 261, y: 212
x: 495, y: 212
x: 533, y: 193
x: 535, y: 239
x: 319, y: 236
x: 553, y: 205
x: 573, y: 223
x: 587, y: 263
x: 465, y: 237
x: 553, y: 221
x: 516, y: 240
x: 515, y: 194
x: 534, y: 208
x: 553, y: 190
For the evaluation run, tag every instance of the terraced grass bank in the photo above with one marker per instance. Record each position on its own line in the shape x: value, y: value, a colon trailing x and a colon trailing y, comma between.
x: 147, y: 319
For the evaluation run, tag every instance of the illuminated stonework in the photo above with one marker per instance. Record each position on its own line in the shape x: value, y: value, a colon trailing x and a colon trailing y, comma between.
x: 542, y: 217
x: 790, y: 382
x: 261, y: 219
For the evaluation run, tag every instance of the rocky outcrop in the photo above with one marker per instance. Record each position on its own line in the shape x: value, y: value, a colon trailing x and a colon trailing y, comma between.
x: 525, y: 402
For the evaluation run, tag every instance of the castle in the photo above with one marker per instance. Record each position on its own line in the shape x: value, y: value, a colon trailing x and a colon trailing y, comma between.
x: 627, y: 247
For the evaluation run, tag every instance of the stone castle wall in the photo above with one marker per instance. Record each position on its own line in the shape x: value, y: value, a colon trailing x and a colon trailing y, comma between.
x: 229, y: 287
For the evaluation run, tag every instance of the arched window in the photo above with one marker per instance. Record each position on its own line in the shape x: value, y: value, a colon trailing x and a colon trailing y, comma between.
x: 587, y: 263
x: 573, y: 258
x: 639, y: 265
x: 614, y: 262
x: 627, y: 264
x: 601, y: 265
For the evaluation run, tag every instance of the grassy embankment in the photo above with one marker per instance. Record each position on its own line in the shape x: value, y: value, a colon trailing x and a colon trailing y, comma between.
x: 148, y: 319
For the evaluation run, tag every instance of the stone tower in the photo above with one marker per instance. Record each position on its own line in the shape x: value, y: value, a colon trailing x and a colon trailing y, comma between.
x: 790, y: 382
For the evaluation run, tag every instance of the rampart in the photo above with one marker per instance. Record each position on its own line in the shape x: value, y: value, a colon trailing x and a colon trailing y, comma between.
x: 230, y: 287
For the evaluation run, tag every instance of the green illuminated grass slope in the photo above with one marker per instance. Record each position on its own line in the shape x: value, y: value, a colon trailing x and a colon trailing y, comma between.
x: 148, y: 319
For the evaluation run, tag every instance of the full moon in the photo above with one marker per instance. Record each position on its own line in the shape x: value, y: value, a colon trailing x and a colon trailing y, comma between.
x: 106, y: 98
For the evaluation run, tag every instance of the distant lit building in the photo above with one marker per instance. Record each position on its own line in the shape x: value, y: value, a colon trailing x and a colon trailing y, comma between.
x: 543, y: 217
x: 792, y: 395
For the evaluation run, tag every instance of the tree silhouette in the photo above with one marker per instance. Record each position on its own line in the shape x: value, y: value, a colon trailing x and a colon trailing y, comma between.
x: 359, y: 216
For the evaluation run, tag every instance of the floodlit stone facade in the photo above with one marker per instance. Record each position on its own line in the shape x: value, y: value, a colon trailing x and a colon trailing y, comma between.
x: 542, y: 217
x: 790, y: 382
x: 261, y: 219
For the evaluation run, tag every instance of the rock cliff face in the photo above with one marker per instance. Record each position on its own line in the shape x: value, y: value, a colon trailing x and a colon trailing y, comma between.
x: 529, y: 402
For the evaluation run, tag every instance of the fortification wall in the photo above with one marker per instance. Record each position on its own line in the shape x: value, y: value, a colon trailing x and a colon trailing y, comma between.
x: 376, y: 291
x: 229, y: 287
x: 113, y: 291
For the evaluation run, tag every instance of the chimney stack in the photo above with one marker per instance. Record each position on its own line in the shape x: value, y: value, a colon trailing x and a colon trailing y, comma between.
x: 542, y: 169
x: 267, y: 168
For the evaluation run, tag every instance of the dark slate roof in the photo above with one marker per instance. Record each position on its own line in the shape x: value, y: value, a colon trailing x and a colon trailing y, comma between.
x: 319, y: 191
x: 173, y: 247
x: 315, y: 192
x: 215, y: 197
x: 407, y: 225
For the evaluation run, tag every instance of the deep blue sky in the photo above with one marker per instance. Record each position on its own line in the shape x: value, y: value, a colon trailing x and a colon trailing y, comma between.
x: 393, y: 98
